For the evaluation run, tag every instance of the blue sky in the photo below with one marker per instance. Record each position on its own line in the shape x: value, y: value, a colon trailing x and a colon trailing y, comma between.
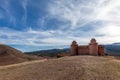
x: 30, y: 25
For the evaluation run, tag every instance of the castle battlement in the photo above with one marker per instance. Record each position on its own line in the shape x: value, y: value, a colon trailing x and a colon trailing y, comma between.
x: 92, y: 49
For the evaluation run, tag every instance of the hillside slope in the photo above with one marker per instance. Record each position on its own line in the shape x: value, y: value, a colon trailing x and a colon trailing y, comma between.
x: 9, y: 55
x: 66, y: 68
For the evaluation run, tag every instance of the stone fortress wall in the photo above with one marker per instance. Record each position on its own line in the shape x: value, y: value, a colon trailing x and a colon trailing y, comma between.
x: 92, y: 49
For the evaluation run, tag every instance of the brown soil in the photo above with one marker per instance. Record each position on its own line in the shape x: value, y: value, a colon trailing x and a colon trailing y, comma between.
x: 66, y: 68
x: 9, y: 55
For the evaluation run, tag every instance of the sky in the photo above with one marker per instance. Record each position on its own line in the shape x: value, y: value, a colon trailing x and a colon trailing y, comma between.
x: 30, y: 25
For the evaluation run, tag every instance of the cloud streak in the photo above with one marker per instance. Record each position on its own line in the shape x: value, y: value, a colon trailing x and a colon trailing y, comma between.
x: 59, y: 22
x: 6, y: 11
x: 24, y: 5
x: 80, y: 13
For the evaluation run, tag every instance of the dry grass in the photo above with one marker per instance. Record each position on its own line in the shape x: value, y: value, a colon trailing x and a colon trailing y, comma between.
x: 67, y: 68
x: 9, y: 55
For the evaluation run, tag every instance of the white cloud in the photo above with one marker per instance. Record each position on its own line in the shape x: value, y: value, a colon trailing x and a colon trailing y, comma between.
x: 109, y: 12
x: 37, y: 38
x: 24, y: 5
x: 110, y: 30
x: 80, y: 13
x: 77, y: 15
x: 76, y: 12
x: 40, y: 33
x: 29, y: 37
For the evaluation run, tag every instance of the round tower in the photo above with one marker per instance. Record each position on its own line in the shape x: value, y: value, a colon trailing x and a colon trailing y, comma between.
x: 93, y: 47
x: 74, y: 48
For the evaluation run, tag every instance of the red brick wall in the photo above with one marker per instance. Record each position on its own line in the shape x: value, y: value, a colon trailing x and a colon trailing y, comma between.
x: 83, y: 50
x: 92, y: 49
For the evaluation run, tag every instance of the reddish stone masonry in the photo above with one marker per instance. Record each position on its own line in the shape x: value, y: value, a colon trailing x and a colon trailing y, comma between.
x: 92, y: 49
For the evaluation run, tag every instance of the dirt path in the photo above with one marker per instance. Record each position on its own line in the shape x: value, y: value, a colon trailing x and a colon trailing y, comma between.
x: 21, y: 64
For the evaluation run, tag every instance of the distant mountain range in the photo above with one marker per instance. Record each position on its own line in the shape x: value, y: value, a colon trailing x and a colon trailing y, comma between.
x: 50, y: 53
x: 118, y: 43
x: 111, y: 49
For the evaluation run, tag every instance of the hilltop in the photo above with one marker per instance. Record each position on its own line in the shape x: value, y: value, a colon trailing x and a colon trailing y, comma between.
x: 65, y: 68
x: 9, y: 55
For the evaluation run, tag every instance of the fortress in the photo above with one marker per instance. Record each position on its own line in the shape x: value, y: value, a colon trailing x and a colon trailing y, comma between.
x: 92, y: 49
